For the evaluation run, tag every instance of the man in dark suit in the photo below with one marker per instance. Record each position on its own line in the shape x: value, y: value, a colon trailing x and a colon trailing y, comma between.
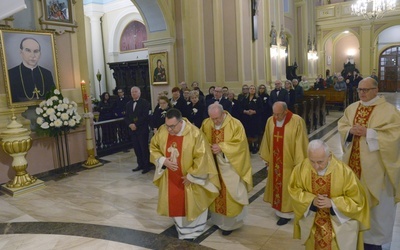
x: 29, y: 81
x: 120, y: 104
x: 137, y: 118
x: 279, y: 94
x: 226, y: 104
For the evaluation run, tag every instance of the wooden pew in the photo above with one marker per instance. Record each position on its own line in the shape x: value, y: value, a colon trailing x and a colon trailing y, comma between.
x: 322, y: 109
x: 333, y: 98
x: 305, y: 110
x: 314, y: 112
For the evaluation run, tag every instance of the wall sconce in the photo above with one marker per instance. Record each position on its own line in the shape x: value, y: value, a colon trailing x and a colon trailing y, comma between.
x: 312, y: 55
x: 350, y: 55
x: 282, y: 52
x: 274, y: 51
x: 350, y: 59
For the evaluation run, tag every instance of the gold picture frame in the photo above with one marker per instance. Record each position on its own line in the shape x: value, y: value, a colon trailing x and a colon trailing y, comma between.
x: 57, y: 12
x: 159, y: 68
x: 58, y: 15
x: 21, y: 51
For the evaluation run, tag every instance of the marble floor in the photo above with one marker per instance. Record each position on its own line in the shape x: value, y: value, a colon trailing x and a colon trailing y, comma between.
x: 111, y: 207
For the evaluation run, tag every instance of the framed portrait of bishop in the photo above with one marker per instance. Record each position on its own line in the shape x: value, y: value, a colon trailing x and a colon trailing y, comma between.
x: 29, y: 66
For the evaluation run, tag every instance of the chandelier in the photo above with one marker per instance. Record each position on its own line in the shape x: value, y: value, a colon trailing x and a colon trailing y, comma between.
x: 372, y: 9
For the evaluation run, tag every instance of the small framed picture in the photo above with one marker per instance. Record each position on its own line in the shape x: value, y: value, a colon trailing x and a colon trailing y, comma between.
x: 57, y: 12
x: 29, y: 66
x: 159, y: 68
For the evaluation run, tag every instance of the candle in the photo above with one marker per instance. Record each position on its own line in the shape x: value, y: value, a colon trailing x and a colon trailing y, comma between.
x: 84, y: 97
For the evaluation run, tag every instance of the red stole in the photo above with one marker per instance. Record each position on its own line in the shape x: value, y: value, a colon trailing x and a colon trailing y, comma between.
x: 362, y: 116
x: 324, y: 230
x: 176, y: 188
x: 277, y: 162
x: 220, y: 202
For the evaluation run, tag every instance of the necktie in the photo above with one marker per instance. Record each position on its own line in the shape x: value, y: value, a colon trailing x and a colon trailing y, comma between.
x: 134, y: 105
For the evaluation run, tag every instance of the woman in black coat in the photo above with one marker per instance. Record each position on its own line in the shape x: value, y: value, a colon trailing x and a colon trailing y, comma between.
x: 196, y: 110
x: 251, y: 107
x: 158, y: 117
x: 266, y: 110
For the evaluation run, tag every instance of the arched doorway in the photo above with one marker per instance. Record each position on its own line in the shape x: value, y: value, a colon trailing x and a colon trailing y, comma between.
x: 389, y: 70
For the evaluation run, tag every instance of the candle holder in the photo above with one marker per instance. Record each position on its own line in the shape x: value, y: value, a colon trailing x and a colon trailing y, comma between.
x: 91, y: 162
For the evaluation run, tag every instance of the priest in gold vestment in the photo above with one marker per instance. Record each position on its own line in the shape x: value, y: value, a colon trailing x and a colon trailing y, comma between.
x: 284, y: 145
x: 329, y: 202
x: 229, y: 145
x: 370, y: 134
x: 185, y: 174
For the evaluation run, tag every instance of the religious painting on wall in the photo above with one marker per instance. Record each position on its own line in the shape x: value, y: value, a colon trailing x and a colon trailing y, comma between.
x: 29, y: 66
x: 133, y: 37
x: 57, y: 11
x: 58, y: 15
x: 159, y: 68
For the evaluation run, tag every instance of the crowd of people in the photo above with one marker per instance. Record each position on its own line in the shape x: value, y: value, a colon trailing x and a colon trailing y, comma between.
x: 201, y: 153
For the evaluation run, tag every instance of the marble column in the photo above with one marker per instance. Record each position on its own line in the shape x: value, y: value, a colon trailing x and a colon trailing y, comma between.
x: 97, y: 51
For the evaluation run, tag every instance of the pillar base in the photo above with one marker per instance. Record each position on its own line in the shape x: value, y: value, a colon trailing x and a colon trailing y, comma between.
x: 38, y: 184
x: 92, y: 162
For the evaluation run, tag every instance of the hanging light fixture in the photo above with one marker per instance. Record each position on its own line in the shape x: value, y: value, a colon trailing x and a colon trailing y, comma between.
x: 372, y: 9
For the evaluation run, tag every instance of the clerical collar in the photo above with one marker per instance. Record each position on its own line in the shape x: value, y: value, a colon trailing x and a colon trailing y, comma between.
x: 29, y: 67
x: 219, y: 126
x: 323, y: 171
x: 279, y: 124
x: 370, y: 102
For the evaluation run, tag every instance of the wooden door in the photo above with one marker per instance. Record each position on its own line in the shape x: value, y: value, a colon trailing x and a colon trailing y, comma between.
x: 389, y: 70
x: 132, y: 73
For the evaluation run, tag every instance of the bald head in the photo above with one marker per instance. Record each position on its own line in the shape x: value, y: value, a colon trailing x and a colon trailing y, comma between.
x: 216, y: 113
x: 367, y: 89
x: 279, y: 110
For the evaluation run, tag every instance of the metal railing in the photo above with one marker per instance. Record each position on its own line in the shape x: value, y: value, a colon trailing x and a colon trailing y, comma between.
x: 111, y: 136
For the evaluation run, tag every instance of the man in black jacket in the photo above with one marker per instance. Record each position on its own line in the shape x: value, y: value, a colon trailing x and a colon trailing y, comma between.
x: 279, y: 94
x: 137, y: 118
x: 226, y: 104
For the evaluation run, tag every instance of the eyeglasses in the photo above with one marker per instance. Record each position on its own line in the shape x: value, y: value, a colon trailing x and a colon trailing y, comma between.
x: 364, y: 90
x: 172, y: 127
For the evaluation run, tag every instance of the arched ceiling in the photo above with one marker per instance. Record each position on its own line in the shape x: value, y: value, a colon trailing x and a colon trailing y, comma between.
x: 152, y: 14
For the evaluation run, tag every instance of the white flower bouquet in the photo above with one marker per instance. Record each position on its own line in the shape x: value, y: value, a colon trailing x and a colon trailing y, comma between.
x: 56, y: 114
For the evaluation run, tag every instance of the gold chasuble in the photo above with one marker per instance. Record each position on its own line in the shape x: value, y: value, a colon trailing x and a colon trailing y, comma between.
x: 321, y: 230
x: 193, y: 155
x: 235, y: 157
x: 362, y: 116
x: 283, y: 148
x: 375, y: 166
x: 323, y: 225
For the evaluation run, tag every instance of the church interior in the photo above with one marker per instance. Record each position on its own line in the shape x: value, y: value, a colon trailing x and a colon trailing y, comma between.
x: 77, y: 191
